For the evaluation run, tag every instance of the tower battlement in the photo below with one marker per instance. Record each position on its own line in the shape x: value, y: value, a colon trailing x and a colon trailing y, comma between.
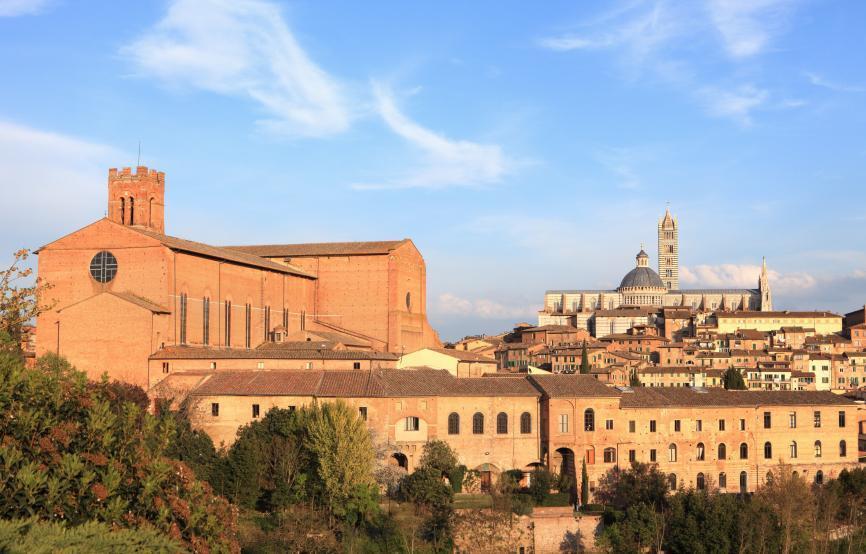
x: 137, y: 199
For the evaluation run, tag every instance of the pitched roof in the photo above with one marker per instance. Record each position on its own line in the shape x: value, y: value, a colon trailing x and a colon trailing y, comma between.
x: 765, y: 315
x: 359, y: 384
x: 270, y: 353
x: 572, y: 385
x: 462, y: 355
x: 219, y: 253
x: 313, y: 249
x: 661, y: 397
x: 139, y: 301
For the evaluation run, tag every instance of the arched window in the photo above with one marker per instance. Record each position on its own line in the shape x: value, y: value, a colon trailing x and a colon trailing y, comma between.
x: 454, y: 424
x: 502, y: 423
x: 701, y: 454
x: 843, y: 449
x: 672, y: 481
x: 150, y: 212
x: 768, y: 450
x: 723, y: 480
x: 701, y: 482
x: 793, y: 449
x: 817, y: 449
x: 132, y: 211
x: 672, y: 452
x: 744, y: 482
x: 589, y: 420
x: 609, y: 455
x: 478, y: 424
x: 819, y: 477
x: 122, y: 210
x: 723, y: 451
x: 525, y: 423
x: 744, y: 451
x: 768, y: 477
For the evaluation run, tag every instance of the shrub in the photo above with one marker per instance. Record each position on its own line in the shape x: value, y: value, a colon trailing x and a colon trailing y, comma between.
x: 539, y: 485
x: 31, y: 535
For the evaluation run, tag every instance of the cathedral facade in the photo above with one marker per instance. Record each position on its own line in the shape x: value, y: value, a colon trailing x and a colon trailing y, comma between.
x: 645, y: 289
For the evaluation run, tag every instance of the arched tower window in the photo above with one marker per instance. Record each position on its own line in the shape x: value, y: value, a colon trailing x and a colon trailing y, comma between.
x: 478, y: 423
x: 131, y: 210
x: 122, y: 210
x: 589, y: 420
x: 525, y: 423
x: 502, y: 423
x: 768, y: 451
x: 453, y: 424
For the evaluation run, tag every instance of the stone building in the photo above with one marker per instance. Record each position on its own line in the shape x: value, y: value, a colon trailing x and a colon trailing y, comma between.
x: 644, y: 288
x: 698, y: 437
x: 125, y: 290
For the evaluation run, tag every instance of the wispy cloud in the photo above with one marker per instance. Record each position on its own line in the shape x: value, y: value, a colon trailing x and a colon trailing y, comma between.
x: 820, y: 81
x: 745, y: 276
x: 446, y: 162
x: 15, y: 8
x: 655, y: 38
x: 451, y: 304
x: 747, y: 26
x: 243, y: 48
x: 54, y: 179
x: 737, y: 103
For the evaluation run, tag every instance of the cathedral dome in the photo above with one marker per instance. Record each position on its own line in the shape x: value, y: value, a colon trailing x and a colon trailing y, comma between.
x: 644, y: 277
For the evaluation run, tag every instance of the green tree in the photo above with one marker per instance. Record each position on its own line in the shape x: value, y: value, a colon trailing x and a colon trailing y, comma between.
x: 733, y: 380
x: 432, y: 497
x: 585, y: 368
x: 638, y: 529
x: 641, y: 483
x: 584, y: 485
x: 31, y: 535
x: 69, y: 453
x: 791, y: 500
x: 438, y: 455
x: 341, y: 454
x: 634, y: 380
x: 21, y: 300
x: 540, y: 483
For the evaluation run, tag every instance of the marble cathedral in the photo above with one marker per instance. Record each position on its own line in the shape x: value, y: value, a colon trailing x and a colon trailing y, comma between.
x: 643, y: 288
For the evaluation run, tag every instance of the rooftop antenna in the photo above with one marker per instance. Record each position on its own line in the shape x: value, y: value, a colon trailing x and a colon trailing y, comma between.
x: 138, y: 161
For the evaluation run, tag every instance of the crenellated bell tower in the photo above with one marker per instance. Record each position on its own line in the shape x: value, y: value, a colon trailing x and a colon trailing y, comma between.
x: 137, y: 199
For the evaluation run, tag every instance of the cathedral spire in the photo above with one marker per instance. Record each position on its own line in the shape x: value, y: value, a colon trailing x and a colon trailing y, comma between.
x: 764, y: 287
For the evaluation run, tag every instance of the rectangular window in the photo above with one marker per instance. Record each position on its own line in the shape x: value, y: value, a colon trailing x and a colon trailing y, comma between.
x: 632, y: 456
x: 608, y: 424
x: 286, y: 319
x: 742, y: 425
x: 653, y: 455
x: 183, y: 318
x: 267, y: 329
x: 721, y: 425
x: 768, y: 420
x: 563, y: 423
x: 676, y: 426
x: 248, y: 322
x: 260, y: 365
x: 255, y: 411
x: 205, y: 321
x: 652, y: 426
x: 215, y: 409
x: 817, y: 417
x: 291, y: 408
x: 631, y: 426
x: 699, y: 425
x: 413, y: 423
x: 792, y: 420
x: 165, y: 367
x: 228, y: 323
x: 356, y: 365
x: 841, y: 418
x: 362, y: 411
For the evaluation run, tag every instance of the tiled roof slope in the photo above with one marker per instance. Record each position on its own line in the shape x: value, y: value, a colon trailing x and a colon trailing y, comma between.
x: 320, y: 249
x: 572, y: 385
x: 219, y: 253
x: 660, y: 397
x: 359, y: 384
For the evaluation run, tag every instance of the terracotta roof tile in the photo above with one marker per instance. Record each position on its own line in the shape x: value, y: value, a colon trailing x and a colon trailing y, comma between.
x: 572, y: 385
x: 313, y: 249
x: 650, y: 397
x: 312, y: 353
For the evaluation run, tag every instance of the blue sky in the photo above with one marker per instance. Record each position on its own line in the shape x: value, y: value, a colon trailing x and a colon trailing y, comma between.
x: 522, y: 146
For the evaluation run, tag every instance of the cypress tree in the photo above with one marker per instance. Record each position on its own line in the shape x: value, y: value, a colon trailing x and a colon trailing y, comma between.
x: 584, y: 361
x: 584, y: 485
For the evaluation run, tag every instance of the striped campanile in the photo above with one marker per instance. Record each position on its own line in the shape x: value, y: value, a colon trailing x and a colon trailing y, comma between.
x: 669, y: 251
